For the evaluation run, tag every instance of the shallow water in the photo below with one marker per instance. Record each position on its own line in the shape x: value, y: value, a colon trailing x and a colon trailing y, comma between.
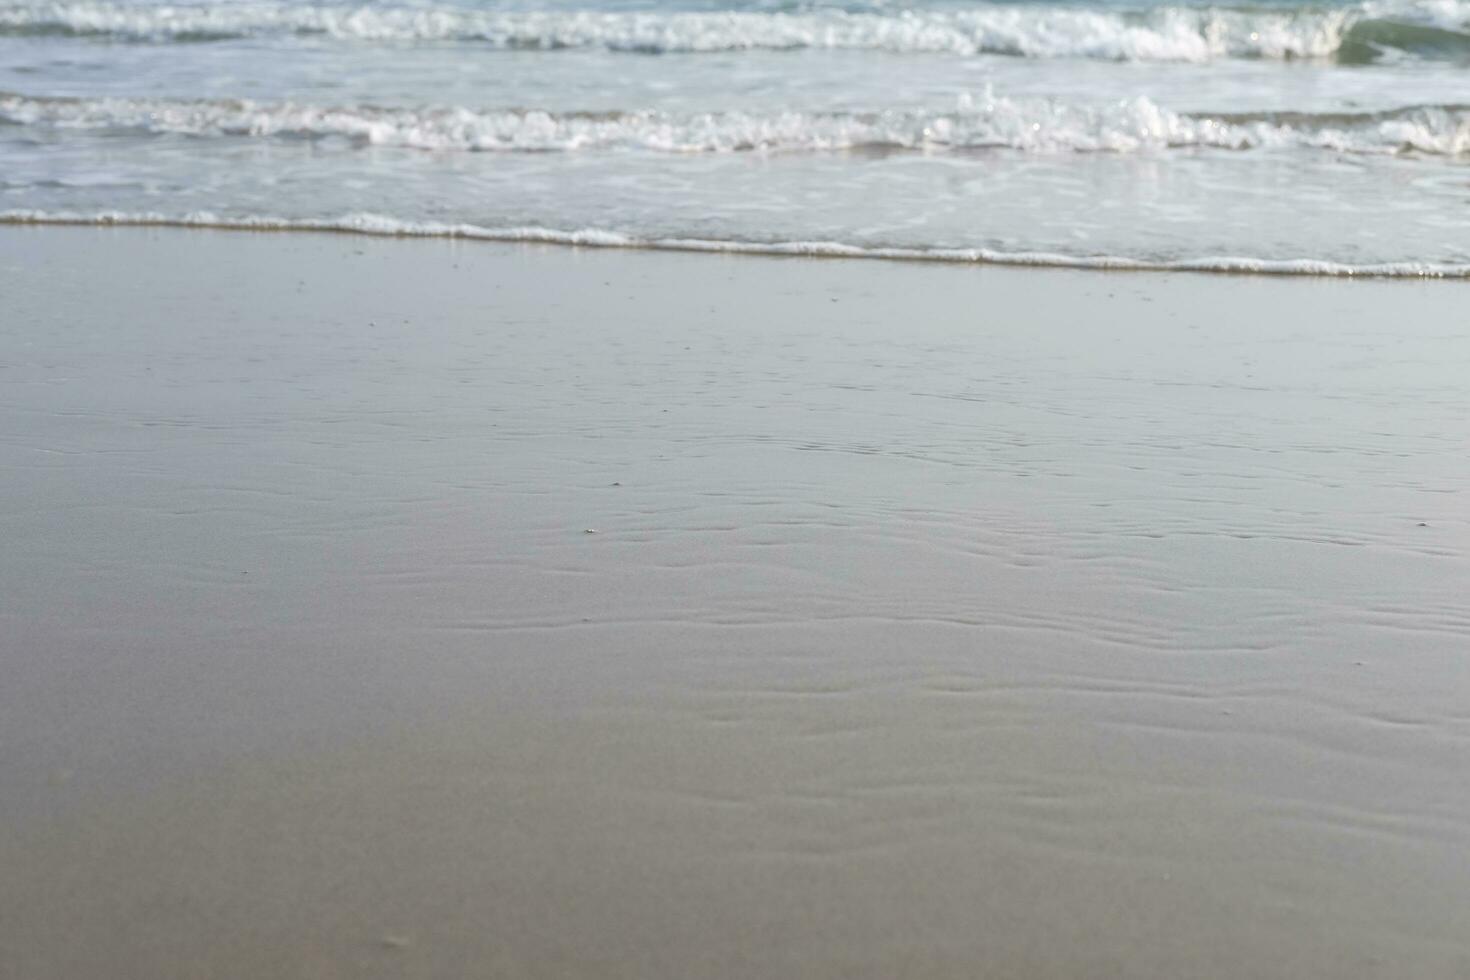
x: 939, y: 622
x: 1319, y: 138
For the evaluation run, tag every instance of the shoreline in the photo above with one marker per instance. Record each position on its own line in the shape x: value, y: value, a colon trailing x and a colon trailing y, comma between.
x: 381, y: 226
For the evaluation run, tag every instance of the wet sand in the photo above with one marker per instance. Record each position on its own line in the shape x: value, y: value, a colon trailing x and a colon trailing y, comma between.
x: 381, y: 608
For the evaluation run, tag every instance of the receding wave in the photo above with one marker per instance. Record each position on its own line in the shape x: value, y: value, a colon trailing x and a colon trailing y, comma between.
x: 1032, y: 125
x: 384, y: 226
x: 1432, y: 28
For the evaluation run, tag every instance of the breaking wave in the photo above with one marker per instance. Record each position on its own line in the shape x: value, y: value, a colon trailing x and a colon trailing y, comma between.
x: 1429, y: 28
x: 1032, y: 125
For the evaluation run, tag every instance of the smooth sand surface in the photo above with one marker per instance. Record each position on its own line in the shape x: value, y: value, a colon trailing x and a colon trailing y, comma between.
x: 938, y: 622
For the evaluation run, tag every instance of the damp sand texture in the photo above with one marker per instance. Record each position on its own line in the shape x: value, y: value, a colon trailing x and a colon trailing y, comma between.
x: 937, y: 622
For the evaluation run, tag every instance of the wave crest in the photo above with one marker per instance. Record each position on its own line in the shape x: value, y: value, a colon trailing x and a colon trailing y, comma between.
x: 1430, y: 27
x: 987, y: 122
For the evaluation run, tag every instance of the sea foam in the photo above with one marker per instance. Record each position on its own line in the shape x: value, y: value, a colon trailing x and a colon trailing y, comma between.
x: 979, y: 122
x: 365, y: 223
x: 1180, y: 33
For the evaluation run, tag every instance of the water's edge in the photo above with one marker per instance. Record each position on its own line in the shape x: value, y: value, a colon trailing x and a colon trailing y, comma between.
x: 388, y: 227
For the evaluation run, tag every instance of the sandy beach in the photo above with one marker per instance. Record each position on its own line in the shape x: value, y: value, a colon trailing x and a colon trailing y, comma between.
x: 390, y: 608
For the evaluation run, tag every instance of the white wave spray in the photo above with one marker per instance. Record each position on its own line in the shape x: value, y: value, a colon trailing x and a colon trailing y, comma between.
x: 1157, y: 34
x: 986, y: 121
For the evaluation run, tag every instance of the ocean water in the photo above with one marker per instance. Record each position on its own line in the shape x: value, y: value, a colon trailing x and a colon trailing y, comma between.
x: 1277, y: 136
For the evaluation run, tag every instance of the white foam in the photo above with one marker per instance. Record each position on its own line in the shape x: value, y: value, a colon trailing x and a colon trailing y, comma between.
x: 385, y: 226
x: 1157, y: 34
x: 1033, y: 125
